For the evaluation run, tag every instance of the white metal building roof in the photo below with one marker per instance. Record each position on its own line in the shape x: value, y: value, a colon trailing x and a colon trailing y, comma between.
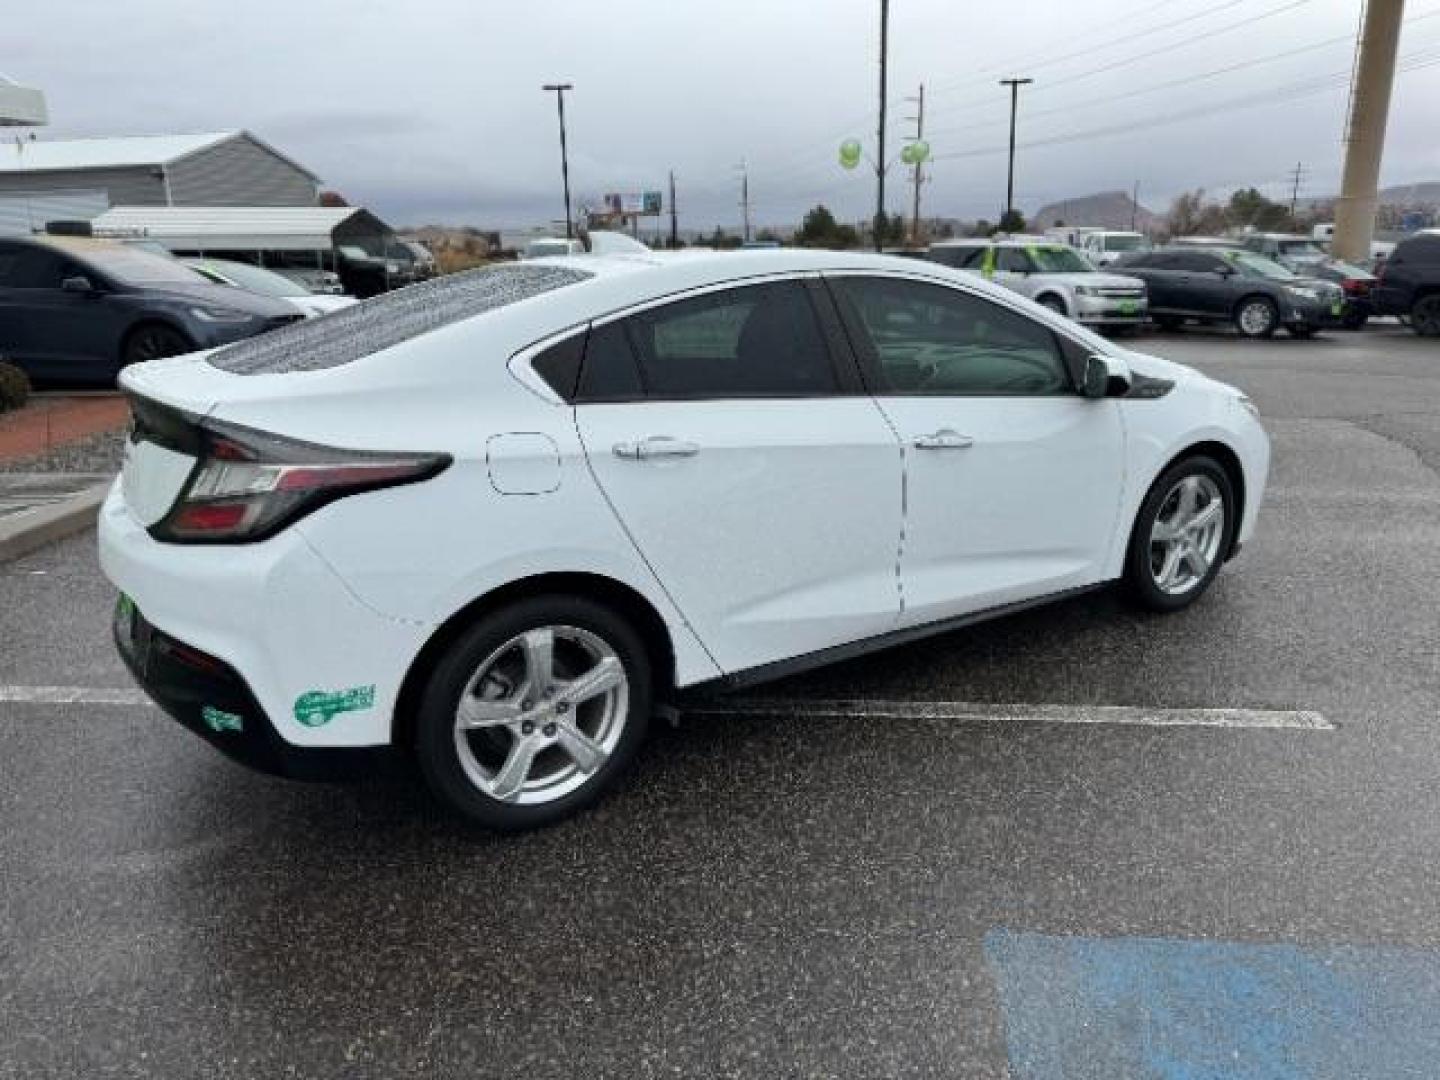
x: 220, y: 228
x: 20, y: 106
x: 47, y: 155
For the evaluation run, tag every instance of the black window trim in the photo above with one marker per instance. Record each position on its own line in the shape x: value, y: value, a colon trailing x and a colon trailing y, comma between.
x: 1073, y: 354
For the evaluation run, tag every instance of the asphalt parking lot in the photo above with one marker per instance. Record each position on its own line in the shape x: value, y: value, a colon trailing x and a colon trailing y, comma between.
x: 818, y: 893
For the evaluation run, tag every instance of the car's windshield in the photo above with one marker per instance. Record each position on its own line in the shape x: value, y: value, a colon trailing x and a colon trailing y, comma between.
x: 256, y: 279
x: 1258, y: 266
x: 1300, y: 249
x: 1059, y: 259
x: 131, y: 266
x: 1125, y: 242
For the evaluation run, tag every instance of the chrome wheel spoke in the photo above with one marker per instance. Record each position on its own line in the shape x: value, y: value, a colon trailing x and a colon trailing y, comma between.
x: 539, y: 646
x: 1170, y: 567
x: 512, y: 775
x: 583, y: 750
x: 607, y: 674
x: 1206, y: 515
x: 1199, y: 564
x: 475, y: 712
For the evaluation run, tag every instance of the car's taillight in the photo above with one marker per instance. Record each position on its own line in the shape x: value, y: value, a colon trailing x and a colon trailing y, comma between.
x: 248, y: 484
x: 1355, y: 286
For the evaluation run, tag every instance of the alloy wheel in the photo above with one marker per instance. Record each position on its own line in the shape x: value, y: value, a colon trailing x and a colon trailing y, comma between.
x: 1257, y: 318
x: 541, y: 715
x: 1185, y: 538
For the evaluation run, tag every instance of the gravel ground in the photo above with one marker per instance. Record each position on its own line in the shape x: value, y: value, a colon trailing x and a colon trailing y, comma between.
x: 100, y: 453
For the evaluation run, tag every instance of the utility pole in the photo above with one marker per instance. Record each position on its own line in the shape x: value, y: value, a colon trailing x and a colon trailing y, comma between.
x: 745, y: 197
x: 880, y: 157
x: 1014, y: 85
x: 558, y: 89
x: 1134, y: 205
x: 1370, y: 88
x: 674, y: 218
x: 919, y: 119
x: 1296, y: 177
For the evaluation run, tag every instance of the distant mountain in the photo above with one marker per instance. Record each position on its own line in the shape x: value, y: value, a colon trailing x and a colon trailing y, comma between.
x: 1424, y: 195
x: 1106, y: 210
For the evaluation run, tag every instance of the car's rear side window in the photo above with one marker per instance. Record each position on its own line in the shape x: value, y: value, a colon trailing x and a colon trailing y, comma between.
x: 752, y: 341
x: 609, y: 372
x: 354, y: 332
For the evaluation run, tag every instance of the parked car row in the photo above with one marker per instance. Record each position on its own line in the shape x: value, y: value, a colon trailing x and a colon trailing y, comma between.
x: 1053, y: 275
x: 75, y: 310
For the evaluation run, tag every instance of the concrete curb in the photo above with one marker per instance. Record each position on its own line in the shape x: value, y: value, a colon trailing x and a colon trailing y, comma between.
x: 33, y: 529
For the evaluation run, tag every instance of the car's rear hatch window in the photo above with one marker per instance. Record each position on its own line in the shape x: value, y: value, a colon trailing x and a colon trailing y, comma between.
x: 354, y: 332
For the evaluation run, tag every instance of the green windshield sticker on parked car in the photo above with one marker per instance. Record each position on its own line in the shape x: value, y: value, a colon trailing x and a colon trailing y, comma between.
x: 319, y: 707
x: 218, y: 720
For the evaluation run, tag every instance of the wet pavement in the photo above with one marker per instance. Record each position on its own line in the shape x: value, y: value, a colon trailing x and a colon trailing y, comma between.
x: 810, y: 895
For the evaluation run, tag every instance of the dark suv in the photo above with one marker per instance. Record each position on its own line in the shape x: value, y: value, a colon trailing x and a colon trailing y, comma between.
x: 77, y: 310
x: 1255, y: 294
x: 1408, y: 283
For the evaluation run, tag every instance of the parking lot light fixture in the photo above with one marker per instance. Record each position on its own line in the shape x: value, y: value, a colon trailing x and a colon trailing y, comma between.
x: 558, y: 89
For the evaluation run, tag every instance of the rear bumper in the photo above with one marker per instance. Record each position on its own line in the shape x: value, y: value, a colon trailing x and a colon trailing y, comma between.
x: 289, y: 645
x: 209, y: 698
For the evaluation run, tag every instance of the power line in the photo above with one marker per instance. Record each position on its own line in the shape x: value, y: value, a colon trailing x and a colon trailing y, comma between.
x: 1282, y: 94
x: 1171, y: 84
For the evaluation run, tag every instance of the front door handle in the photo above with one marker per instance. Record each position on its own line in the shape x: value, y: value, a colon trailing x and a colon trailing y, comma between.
x: 656, y: 446
x: 944, y: 439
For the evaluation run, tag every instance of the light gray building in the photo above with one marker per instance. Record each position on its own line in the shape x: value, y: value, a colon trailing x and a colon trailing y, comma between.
x: 43, y: 180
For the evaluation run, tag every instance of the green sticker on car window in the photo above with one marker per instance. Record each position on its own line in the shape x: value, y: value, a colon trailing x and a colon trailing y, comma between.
x: 319, y: 707
x: 218, y: 720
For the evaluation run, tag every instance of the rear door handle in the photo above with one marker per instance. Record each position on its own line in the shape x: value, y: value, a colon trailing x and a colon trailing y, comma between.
x: 656, y: 446
x: 944, y: 439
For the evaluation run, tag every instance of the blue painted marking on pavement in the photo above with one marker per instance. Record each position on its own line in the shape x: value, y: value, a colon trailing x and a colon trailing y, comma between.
x: 1079, y: 1008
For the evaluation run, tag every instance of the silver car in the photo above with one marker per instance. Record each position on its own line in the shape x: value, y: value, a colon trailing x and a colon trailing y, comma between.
x: 1054, y: 275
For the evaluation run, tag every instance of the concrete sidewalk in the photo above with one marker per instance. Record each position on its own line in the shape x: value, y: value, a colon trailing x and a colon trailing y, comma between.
x: 38, y: 508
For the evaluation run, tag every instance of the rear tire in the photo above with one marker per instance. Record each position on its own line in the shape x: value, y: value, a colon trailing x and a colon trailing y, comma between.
x: 1425, y: 315
x: 533, y: 712
x: 1178, y: 541
x: 1355, y: 320
x: 1256, y: 317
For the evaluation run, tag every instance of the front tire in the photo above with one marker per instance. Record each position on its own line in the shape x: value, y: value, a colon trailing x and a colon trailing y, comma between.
x: 1182, y: 534
x: 153, y: 341
x: 1256, y: 317
x: 534, y: 711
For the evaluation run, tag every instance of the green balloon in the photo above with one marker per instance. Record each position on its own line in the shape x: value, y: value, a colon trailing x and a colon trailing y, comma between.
x: 915, y: 153
x: 850, y: 153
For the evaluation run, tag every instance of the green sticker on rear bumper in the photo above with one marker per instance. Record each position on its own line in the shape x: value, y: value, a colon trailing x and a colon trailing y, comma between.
x: 319, y: 707
x: 218, y: 720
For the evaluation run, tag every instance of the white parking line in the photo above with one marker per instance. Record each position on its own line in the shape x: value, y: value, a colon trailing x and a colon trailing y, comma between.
x: 72, y: 695
x: 967, y: 711
x: 960, y: 711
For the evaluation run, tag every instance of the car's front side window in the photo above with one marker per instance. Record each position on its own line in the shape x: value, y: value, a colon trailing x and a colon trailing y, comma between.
x: 932, y: 340
x: 753, y: 341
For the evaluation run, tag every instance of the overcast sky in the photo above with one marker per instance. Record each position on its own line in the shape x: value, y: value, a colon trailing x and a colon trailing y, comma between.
x: 431, y: 110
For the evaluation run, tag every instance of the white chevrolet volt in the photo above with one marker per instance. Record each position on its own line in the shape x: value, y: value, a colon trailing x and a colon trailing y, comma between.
x: 496, y: 519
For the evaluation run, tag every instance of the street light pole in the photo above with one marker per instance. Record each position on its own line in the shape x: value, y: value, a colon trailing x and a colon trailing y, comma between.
x: 880, y: 157
x: 559, y: 91
x: 1014, y: 85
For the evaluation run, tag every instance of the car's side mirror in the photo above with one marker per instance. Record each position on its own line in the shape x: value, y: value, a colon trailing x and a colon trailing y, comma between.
x: 1104, y: 376
x: 78, y: 284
